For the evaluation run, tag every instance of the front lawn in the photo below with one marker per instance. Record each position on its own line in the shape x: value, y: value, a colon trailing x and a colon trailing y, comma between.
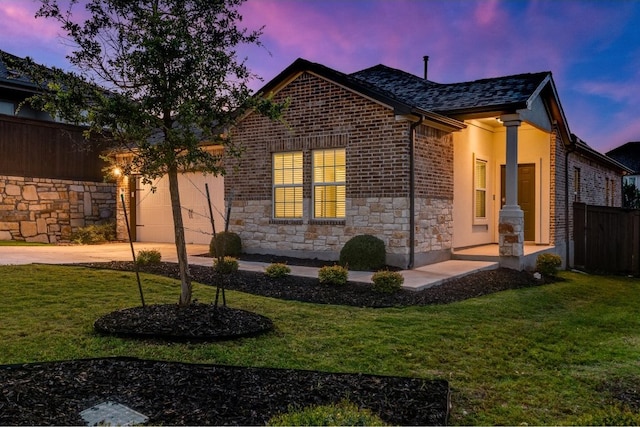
x: 554, y: 354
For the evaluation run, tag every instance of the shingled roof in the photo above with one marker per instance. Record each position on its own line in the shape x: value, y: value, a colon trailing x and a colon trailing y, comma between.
x: 493, y: 94
x: 628, y: 154
x: 10, y: 78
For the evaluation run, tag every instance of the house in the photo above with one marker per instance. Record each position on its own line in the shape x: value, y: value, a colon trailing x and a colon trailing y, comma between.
x: 149, y: 211
x: 429, y: 168
x: 51, y: 181
x: 629, y: 155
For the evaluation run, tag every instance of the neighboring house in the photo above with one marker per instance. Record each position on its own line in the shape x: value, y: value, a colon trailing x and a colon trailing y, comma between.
x: 428, y: 168
x: 629, y: 155
x: 51, y: 181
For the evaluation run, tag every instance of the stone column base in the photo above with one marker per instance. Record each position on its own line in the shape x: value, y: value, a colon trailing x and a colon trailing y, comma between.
x: 511, y: 229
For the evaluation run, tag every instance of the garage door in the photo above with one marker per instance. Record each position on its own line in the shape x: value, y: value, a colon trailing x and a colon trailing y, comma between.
x: 154, y: 218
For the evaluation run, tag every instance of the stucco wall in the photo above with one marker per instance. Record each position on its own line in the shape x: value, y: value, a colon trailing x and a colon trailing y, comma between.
x: 484, y: 142
x: 534, y: 147
x: 49, y: 210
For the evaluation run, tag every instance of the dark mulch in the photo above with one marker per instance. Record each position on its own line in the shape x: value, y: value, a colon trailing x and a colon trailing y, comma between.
x: 195, y: 322
x: 186, y: 394
x: 308, y: 289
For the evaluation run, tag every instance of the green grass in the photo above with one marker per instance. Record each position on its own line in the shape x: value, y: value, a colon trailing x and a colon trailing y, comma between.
x: 535, y: 356
x: 21, y: 243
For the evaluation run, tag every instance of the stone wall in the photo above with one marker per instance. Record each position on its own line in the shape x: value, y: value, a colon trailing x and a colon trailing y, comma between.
x: 50, y: 210
x: 384, y: 217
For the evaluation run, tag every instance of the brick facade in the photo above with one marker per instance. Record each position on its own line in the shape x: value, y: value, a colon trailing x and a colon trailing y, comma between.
x: 325, y: 115
x: 50, y: 210
x: 599, y: 185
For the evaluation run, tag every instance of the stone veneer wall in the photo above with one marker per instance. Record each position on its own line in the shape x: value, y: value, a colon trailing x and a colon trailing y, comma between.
x: 434, y: 230
x: 49, y: 210
x: 383, y: 217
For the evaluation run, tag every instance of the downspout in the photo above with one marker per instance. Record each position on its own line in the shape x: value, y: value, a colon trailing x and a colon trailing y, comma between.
x: 412, y: 194
x: 570, y: 150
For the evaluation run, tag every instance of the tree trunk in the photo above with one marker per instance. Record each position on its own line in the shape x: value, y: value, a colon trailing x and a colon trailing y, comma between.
x: 181, y: 246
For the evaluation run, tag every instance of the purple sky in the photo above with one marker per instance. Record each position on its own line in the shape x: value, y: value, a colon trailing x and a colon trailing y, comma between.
x: 591, y: 47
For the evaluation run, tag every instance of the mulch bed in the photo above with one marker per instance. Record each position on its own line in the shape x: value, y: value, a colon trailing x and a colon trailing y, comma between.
x: 186, y: 394
x: 195, y: 322
x: 308, y: 289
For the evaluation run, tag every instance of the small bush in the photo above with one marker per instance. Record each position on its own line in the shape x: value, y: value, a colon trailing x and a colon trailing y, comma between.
x: 548, y: 264
x: 344, y: 413
x: 277, y: 270
x: 225, y: 243
x: 226, y: 265
x: 364, y: 252
x: 387, y: 282
x: 94, y: 234
x: 151, y: 256
x: 333, y: 275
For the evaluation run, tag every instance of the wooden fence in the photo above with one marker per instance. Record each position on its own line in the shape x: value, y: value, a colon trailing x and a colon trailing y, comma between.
x: 606, y: 239
x: 41, y: 149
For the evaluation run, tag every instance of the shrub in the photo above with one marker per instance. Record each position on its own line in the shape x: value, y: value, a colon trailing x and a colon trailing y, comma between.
x: 151, y: 256
x: 333, y: 275
x: 226, y: 265
x: 364, y: 252
x: 387, y: 282
x: 94, y: 234
x: 224, y: 244
x: 547, y: 264
x: 344, y: 413
x: 277, y: 270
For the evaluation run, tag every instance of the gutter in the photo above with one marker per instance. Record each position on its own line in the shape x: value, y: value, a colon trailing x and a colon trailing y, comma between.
x: 567, y: 238
x: 412, y: 193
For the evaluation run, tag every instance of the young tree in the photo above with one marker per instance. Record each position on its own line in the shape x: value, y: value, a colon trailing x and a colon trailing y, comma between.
x: 157, y: 78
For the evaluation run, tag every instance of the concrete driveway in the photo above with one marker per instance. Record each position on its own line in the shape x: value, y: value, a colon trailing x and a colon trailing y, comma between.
x: 63, y: 254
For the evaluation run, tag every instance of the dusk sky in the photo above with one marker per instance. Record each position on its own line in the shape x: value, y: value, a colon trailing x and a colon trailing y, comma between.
x: 591, y: 47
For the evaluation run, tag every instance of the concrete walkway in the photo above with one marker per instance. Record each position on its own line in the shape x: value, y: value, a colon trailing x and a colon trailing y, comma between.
x: 417, y: 279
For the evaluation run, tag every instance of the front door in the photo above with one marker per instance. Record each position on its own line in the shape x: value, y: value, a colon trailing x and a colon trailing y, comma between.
x: 526, y: 197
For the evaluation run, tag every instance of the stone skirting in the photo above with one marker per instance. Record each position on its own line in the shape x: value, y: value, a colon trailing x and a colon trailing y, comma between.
x: 49, y: 210
x: 384, y: 217
x: 511, y: 229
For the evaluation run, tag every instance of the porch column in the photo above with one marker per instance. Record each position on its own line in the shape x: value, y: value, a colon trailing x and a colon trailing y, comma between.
x: 511, y: 220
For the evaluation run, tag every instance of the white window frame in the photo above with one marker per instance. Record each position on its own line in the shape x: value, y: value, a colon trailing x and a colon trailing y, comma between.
x: 319, y: 182
x: 297, y: 187
x: 480, y: 220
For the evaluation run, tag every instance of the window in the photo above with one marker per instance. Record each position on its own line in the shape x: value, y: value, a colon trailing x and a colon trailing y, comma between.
x: 7, y: 107
x: 287, y: 185
x: 329, y: 176
x: 612, y: 189
x: 480, y: 189
x: 576, y: 184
